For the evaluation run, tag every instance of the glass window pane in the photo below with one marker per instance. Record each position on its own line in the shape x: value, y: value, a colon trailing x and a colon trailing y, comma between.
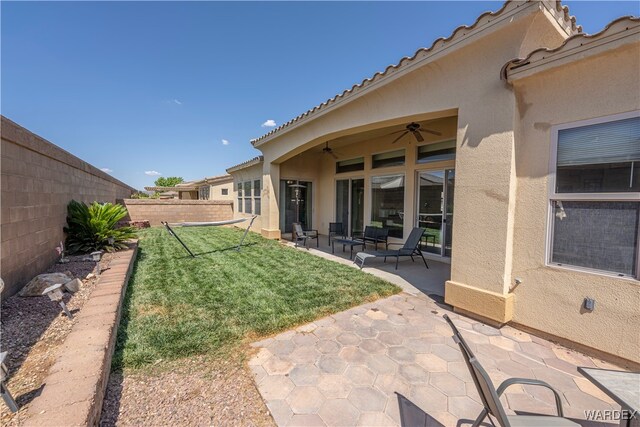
x: 437, y: 152
x: 342, y: 203
x: 239, y: 204
x: 247, y: 205
x: 600, y: 235
x: 350, y: 165
x: 600, y: 178
x: 257, y: 205
x: 256, y: 187
x: 225, y: 191
x: 247, y: 188
x: 239, y: 189
x: 610, y: 142
x: 392, y: 158
x: 387, y: 203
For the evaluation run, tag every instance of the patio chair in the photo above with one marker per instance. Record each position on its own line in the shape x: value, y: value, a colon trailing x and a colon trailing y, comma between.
x: 374, y: 235
x: 335, y: 229
x: 491, y: 397
x: 410, y: 248
x: 300, y: 235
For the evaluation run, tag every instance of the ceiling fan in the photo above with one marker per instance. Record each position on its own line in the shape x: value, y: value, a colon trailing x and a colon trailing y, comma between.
x: 416, y: 130
x: 328, y: 150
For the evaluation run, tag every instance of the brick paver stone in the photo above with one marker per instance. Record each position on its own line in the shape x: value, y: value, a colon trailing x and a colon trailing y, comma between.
x: 305, y: 375
x: 332, y: 364
x: 339, y: 412
x: 335, y: 386
x: 367, y: 399
x: 305, y: 400
x: 360, y: 375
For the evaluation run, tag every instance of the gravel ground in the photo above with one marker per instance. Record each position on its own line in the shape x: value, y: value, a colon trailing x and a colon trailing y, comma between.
x: 32, y: 330
x: 187, y: 392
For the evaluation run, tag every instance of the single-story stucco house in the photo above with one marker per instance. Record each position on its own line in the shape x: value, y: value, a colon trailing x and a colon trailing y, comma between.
x: 515, y: 142
x: 210, y: 188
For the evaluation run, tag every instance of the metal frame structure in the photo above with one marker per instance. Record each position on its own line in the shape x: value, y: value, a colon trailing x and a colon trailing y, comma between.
x: 207, y: 224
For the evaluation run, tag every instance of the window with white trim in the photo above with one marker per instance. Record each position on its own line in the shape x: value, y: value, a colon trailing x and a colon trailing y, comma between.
x: 239, y: 197
x: 257, y: 187
x: 247, y: 197
x: 595, y: 195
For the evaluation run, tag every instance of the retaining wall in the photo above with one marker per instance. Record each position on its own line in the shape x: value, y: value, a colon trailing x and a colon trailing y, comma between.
x: 38, y: 180
x: 155, y: 210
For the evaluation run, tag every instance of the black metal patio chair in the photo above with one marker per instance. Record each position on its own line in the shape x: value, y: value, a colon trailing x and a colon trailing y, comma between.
x: 335, y: 229
x: 491, y: 397
x: 300, y: 235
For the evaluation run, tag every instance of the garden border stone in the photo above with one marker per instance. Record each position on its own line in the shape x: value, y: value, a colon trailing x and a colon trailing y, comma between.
x: 75, y: 386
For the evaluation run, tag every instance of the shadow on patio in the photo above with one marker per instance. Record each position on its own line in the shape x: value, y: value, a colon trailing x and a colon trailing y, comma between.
x: 410, y: 276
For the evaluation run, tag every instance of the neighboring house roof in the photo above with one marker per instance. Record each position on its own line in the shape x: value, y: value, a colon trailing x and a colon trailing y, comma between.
x: 554, y: 7
x: 194, y: 185
x: 540, y: 59
x: 255, y: 161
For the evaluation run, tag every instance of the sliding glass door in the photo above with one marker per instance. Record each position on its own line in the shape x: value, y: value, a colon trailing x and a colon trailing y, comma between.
x: 435, y: 210
x: 350, y: 205
x: 295, y: 204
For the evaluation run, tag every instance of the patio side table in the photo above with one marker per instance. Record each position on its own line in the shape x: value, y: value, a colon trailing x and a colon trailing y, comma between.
x: 346, y: 242
x: 621, y: 386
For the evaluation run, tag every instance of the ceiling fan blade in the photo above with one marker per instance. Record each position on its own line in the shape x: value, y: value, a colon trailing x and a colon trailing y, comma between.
x: 398, y: 138
x: 433, y: 132
x: 333, y: 154
x: 398, y: 131
x: 418, y: 136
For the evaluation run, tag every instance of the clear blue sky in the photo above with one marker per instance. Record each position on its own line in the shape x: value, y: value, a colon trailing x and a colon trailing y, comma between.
x: 157, y: 86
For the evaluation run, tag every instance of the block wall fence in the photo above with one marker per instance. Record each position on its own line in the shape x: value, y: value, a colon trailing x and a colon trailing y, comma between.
x: 38, y: 180
x: 155, y: 210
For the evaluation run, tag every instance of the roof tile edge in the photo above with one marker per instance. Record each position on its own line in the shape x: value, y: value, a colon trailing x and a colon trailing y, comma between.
x: 437, y: 44
x: 574, y: 41
x: 251, y: 162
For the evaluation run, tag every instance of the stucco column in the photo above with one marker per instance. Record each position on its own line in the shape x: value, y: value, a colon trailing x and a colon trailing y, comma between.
x: 484, y: 210
x: 270, y: 210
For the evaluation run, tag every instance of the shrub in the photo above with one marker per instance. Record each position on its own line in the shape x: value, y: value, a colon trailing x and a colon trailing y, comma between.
x: 91, y: 227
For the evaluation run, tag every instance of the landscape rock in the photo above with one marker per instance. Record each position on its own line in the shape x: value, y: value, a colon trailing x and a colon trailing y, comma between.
x: 41, y: 282
x: 74, y: 285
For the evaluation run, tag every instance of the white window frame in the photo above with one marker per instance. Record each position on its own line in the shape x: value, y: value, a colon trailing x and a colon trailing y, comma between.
x: 588, y: 197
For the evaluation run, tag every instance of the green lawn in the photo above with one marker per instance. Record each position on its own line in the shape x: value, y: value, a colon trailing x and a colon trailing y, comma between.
x: 178, y: 306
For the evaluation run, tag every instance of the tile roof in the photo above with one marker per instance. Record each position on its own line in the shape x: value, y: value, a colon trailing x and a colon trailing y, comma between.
x: 618, y: 25
x: 251, y: 162
x: 555, y: 7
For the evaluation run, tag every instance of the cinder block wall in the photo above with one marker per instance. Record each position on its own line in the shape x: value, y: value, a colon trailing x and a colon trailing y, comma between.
x: 38, y: 180
x: 155, y: 210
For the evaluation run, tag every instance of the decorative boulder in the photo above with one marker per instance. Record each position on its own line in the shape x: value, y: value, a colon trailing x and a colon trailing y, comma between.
x: 41, y: 282
x: 74, y: 285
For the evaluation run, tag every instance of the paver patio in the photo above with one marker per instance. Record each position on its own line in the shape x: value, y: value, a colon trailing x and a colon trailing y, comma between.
x: 346, y: 369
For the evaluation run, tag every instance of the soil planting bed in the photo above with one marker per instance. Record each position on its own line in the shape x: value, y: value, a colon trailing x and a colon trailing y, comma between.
x: 33, y: 328
x: 187, y: 392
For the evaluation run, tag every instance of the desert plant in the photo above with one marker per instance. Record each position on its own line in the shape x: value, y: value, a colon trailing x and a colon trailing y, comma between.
x: 94, y: 227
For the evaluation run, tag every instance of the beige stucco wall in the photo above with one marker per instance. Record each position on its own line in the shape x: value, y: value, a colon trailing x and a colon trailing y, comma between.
x: 39, y: 179
x: 550, y: 298
x: 463, y: 82
x: 215, y: 191
x: 250, y: 173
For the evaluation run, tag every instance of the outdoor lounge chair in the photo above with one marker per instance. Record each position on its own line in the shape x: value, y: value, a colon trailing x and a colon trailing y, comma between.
x: 374, y: 235
x: 335, y: 229
x: 491, y: 397
x: 410, y: 248
x: 300, y: 235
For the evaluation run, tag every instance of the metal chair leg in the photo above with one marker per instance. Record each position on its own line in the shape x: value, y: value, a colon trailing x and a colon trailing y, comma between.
x: 8, y: 399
